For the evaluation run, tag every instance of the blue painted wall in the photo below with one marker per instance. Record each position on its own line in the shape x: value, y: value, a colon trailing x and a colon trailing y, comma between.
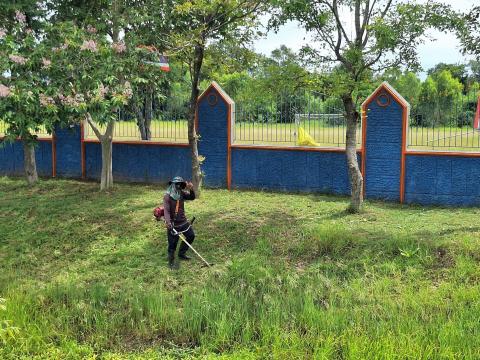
x: 140, y: 163
x: 445, y: 180
x: 11, y: 158
x: 212, y: 122
x: 309, y: 171
x: 432, y: 179
x: 383, y: 150
x: 68, y: 152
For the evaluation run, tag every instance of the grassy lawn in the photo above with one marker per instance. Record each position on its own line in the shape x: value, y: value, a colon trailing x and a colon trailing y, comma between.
x: 172, y: 131
x: 295, y: 277
x: 444, y: 138
x: 286, y: 134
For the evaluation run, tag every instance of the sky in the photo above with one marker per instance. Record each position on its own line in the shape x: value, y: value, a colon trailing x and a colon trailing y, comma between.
x: 441, y: 48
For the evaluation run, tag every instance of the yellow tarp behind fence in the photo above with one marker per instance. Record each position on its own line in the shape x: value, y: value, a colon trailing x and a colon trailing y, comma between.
x: 304, y: 139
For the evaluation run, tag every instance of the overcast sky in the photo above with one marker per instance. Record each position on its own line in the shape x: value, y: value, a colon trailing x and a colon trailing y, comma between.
x: 445, y: 47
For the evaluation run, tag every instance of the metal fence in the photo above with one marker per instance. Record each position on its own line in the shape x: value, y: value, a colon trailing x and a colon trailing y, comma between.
x: 169, y: 124
x: 41, y: 133
x: 293, y: 120
x: 444, y: 123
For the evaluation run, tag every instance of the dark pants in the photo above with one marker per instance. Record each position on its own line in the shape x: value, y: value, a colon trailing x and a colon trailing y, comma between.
x: 173, y: 239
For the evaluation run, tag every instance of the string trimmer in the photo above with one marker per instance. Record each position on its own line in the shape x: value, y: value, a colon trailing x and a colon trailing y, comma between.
x: 181, y: 236
x: 159, y: 212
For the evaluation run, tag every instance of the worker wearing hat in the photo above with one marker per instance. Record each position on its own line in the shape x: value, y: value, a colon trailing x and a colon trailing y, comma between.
x: 178, y: 191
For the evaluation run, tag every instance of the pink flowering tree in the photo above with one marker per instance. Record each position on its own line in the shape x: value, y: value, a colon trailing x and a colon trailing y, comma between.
x: 27, y: 97
x: 93, y: 75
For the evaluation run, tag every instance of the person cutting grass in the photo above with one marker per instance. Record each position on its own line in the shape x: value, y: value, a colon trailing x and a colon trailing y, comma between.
x: 178, y: 191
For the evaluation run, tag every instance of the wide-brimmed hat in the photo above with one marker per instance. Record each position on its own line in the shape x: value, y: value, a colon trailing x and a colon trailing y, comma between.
x: 177, y: 180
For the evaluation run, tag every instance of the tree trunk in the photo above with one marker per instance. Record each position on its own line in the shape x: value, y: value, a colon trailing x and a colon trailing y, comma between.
x: 354, y: 173
x: 148, y: 113
x: 29, y: 162
x: 106, y: 180
x: 197, y: 175
x: 144, y: 114
x: 140, y: 121
x: 106, y: 176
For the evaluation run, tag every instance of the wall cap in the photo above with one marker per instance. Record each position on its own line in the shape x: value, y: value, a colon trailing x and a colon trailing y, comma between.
x: 389, y: 89
x: 221, y: 92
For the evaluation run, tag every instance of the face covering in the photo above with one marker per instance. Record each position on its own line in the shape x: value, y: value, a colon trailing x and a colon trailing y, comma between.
x: 174, y: 192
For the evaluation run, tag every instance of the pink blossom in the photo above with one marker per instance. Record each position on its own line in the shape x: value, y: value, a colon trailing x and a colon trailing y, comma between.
x: 29, y: 31
x: 89, y: 45
x: 21, y: 18
x: 3, y: 33
x: 18, y: 59
x: 46, y: 63
x: 119, y: 47
x: 71, y: 100
x: 63, y: 47
x: 102, y: 91
x: 79, y: 98
x: 67, y: 100
x: 127, y: 91
x: 4, y: 91
x: 46, y: 100
x: 91, y: 29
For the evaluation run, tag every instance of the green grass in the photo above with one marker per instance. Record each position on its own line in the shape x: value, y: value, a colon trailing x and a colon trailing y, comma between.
x: 171, y: 131
x: 286, y: 134
x: 444, y: 138
x: 84, y: 276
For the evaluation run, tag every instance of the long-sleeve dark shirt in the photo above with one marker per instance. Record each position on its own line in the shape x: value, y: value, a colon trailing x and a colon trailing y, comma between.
x: 170, y: 205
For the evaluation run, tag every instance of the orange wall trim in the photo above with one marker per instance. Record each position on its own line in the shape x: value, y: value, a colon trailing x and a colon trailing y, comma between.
x: 38, y: 139
x: 139, y: 142
x: 442, y: 153
x: 45, y: 139
x: 229, y: 147
x: 364, y: 140
x: 290, y: 148
x: 404, y: 150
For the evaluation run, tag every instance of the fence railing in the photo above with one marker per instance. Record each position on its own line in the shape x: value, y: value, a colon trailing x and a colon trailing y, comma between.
x: 309, y: 119
x: 41, y: 133
x: 444, y: 123
x: 169, y: 123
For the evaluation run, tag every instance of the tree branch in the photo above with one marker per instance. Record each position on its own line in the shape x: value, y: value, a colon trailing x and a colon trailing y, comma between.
x: 387, y: 7
x: 365, y: 23
x: 334, y: 9
x: 357, y: 22
x: 97, y: 132
x: 370, y: 63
